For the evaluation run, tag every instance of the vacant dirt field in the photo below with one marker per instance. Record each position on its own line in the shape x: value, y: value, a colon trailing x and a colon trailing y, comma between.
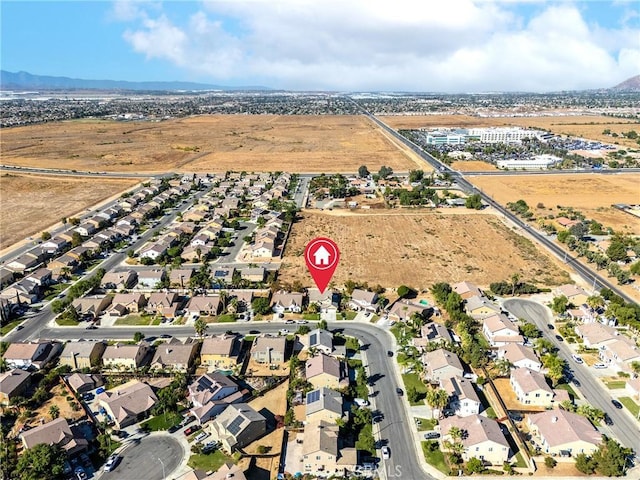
x: 472, y: 166
x: 32, y: 203
x: 592, y: 194
x: 419, y: 249
x: 587, y: 126
x: 328, y: 143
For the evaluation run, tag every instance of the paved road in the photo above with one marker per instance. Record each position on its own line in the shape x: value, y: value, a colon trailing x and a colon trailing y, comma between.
x: 144, y: 459
x: 624, y: 428
x: 396, y: 426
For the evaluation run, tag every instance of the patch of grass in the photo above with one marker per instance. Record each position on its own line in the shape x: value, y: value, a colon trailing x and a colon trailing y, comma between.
x: 412, y: 380
x: 156, y: 321
x: 162, y: 422
x: 311, y: 316
x: 630, y: 405
x: 427, y: 424
x: 374, y: 318
x: 616, y: 384
x: 10, y: 326
x: 350, y: 315
x: 226, y: 318
x: 210, y: 461
x: 66, y: 322
x: 520, y: 461
x: 54, y: 290
x: 434, y: 456
x: 134, y: 319
x: 491, y: 413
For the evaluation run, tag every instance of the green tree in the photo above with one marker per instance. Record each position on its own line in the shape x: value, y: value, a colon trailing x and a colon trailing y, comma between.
x: 261, y: 305
x: 617, y: 251
x: 584, y: 464
x: 635, y: 268
x: 560, y: 304
x: 595, y: 415
x: 138, y: 337
x: 475, y: 465
x: 322, y: 325
x: 200, y: 326
x: 403, y: 291
x: 437, y: 398
x: 42, y: 462
x: 45, y: 236
x: 563, y: 236
x: 550, y: 462
x: 611, y: 458
x: 363, y: 171
x: 555, y: 367
x: 503, y: 367
x: 76, y: 239
x: 385, y: 172
x: 54, y: 411
x: 529, y: 330
x: 474, y: 202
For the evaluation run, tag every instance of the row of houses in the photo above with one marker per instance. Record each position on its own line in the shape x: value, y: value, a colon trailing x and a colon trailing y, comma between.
x: 614, y: 349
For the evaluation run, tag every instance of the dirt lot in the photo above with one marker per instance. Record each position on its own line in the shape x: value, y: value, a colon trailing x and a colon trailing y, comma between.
x: 509, y: 397
x: 586, y: 126
x: 327, y: 143
x: 591, y: 194
x: 32, y: 203
x: 472, y: 166
x: 419, y: 249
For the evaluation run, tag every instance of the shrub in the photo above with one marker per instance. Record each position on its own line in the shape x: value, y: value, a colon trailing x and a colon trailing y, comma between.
x: 550, y: 462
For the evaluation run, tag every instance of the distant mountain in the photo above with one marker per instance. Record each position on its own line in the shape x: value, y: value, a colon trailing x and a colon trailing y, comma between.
x: 630, y: 85
x: 27, y: 81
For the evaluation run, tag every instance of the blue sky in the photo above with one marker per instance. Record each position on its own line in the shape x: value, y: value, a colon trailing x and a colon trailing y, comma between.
x: 343, y: 45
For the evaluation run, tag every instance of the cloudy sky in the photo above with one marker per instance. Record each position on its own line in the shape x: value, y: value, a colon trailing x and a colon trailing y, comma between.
x: 343, y: 45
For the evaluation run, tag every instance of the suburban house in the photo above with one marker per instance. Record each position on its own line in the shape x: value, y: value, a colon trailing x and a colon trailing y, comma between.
x: 596, y: 334
x: 432, y: 333
x: 269, y: 349
x: 165, y: 304
x: 13, y: 383
x: 203, y: 305
x: 21, y: 292
x: 28, y: 355
x: 150, y: 278
x: 287, y: 302
x: 321, y: 452
x: 328, y: 300
x: 124, y: 303
x: 463, y: 398
x: 441, y: 364
x: 180, y: 277
x: 174, y: 356
x: 632, y: 388
x: 402, y: 310
x: 325, y: 371
x: 25, y: 262
x: 123, y: 357
x: 128, y: 403
x: 237, y: 426
x: 81, y: 382
x: 620, y: 354
x: 92, y: 306
x: 323, y: 404
x: 220, y: 352
x: 499, y: 330
x: 483, y: 438
x: 83, y: 354
x: 480, y: 307
x: 363, y: 300
x: 531, y: 387
x: 54, y: 245
x: 520, y: 356
x: 119, y: 280
x: 56, y: 432
x: 322, y: 341
x: 576, y: 295
x: 41, y: 277
x: 561, y: 431
x: 254, y: 274
x: 466, y: 290
x: 211, y: 393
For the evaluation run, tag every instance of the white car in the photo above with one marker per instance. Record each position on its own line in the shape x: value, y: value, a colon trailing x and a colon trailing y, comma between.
x: 599, y: 365
x: 112, y: 461
x: 284, y: 331
x: 386, y: 453
x: 577, y: 359
x: 201, y: 436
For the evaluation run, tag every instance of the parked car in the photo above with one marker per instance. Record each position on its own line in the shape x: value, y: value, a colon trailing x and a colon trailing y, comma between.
x: 399, y: 391
x: 209, y: 447
x: 431, y: 435
x: 559, y: 338
x: 284, y: 331
x: 551, y: 327
x: 302, y: 322
x: 607, y: 420
x: 192, y: 429
x: 389, y: 353
x: 577, y: 359
x: 386, y: 453
x: 289, y: 322
x: 201, y: 436
x: 99, y: 390
x: 186, y: 420
x: 599, y: 365
x: 112, y: 463
x: 616, y: 404
x: 80, y: 473
x: 361, y: 402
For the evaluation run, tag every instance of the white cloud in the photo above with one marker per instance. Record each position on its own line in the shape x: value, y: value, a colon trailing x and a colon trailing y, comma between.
x: 458, y: 45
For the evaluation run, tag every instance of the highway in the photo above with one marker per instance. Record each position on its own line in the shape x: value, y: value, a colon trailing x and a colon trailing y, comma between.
x: 395, y: 428
x: 625, y: 427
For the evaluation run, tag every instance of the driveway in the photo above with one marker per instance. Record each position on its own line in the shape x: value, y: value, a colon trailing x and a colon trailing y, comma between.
x: 152, y: 457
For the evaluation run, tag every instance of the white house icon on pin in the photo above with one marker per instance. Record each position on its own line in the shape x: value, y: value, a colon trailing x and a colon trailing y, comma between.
x: 321, y: 256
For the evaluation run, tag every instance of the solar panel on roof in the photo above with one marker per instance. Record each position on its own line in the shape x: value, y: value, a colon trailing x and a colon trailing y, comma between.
x: 313, y: 339
x: 313, y: 396
x: 234, y: 427
x: 220, y: 274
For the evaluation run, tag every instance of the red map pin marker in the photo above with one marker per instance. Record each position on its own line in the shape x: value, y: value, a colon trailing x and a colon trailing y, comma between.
x: 322, y: 256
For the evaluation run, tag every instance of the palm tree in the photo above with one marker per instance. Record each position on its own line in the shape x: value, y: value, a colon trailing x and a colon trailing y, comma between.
x: 224, y: 297
x: 456, y: 433
x: 54, y: 411
x: 200, y: 326
x: 515, y: 279
x: 503, y: 366
x: 437, y: 398
x: 595, y: 301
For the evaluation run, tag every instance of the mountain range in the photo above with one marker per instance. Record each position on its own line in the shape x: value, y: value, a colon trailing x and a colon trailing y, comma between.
x: 28, y: 81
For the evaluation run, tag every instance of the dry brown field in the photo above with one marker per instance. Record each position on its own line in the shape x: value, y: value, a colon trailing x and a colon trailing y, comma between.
x: 419, y: 249
x: 592, y: 194
x: 32, y: 203
x: 216, y: 143
x: 587, y: 126
x: 472, y: 166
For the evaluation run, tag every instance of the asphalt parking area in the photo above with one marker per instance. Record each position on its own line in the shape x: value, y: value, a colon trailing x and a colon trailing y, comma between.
x: 151, y: 457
